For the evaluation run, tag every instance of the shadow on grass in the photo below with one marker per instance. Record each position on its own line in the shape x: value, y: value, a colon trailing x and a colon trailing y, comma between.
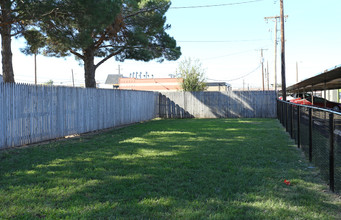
x: 165, y: 169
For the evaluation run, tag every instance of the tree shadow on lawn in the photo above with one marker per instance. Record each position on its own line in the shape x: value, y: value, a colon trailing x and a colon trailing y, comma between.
x: 165, y: 169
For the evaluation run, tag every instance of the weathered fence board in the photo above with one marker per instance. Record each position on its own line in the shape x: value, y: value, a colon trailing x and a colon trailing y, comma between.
x: 30, y: 114
x: 231, y: 104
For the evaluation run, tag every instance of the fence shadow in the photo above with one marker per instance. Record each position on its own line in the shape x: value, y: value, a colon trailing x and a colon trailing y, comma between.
x: 240, y: 104
x: 169, y: 109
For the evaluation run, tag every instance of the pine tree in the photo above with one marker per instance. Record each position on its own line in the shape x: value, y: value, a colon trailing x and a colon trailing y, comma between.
x: 124, y: 29
x: 15, y: 15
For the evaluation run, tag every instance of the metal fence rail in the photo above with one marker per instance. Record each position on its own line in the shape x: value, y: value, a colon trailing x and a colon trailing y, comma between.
x: 30, y: 114
x: 318, y: 132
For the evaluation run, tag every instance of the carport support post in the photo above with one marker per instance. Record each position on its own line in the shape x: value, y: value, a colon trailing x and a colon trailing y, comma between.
x: 310, y: 135
x: 331, y: 151
x: 298, y: 127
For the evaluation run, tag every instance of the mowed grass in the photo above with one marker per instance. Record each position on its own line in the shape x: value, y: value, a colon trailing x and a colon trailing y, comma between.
x: 167, y: 169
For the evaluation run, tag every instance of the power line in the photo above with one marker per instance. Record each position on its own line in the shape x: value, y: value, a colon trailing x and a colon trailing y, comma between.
x: 243, y: 76
x: 218, y: 5
x: 218, y: 41
x: 231, y: 54
x: 228, y: 55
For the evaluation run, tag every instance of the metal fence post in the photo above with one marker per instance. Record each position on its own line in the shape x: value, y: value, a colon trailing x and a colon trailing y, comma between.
x: 292, y: 121
x: 310, y: 134
x: 298, y: 127
x: 286, y: 117
x: 331, y: 151
x: 281, y: 112
x: 283, y: 115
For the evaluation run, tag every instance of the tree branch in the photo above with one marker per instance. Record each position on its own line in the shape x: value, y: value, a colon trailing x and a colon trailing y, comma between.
x: 77, y: 54
x: 108, y: 57
x: 100, y: 40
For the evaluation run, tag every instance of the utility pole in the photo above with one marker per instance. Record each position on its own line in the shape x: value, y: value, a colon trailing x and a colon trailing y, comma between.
x: 73, y: 79
x: 284, y: 88
x: 35, y: 69
x: 275, y: 19
x: 119, y: 69
x: 262, y: 61
x: 276, y: 54
x: 262, y: 69
x: 267, y: 74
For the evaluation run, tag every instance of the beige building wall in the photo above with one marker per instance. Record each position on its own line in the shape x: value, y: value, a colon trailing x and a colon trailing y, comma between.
x: 216, y: 88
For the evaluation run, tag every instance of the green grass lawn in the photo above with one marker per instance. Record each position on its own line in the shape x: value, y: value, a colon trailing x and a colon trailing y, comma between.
x: 167, y: 169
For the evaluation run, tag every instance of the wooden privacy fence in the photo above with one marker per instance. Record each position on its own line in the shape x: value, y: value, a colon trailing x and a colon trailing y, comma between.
x: 230, y: 104
x: 30, y: 114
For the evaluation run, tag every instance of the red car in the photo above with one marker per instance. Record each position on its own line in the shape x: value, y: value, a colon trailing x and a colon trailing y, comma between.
x: 301, y: 101
x: 318, y: 101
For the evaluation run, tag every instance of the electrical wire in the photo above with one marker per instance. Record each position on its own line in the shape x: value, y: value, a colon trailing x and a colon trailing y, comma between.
x: 228, y: 55
x: 241, y: 77
x: 218, y: 5
x: 217, y: 41
x: 232, y: 54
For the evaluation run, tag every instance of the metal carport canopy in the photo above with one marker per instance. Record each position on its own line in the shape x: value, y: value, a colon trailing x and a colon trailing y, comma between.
x: 330, y: 79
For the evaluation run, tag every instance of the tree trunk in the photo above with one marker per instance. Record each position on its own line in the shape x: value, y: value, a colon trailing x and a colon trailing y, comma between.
x: 89, y: 67
x: 6, y: 51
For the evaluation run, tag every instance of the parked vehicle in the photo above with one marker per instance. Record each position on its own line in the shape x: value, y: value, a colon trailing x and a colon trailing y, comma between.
x: 301, y: 101
x: 321, y: 102
x: 288, y: 98
x: 306, y: 99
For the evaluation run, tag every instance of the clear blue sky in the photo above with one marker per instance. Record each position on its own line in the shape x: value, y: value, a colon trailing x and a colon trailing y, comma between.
x: 226, y: 40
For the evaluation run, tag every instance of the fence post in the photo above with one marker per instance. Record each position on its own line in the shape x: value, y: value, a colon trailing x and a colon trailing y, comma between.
x: 310, y: 135
x: 281, y: 112
x: 160, y: 105
x: 331, y: 151
x: 278, y: 109
x: 298, y: 127
x: 286, y: 117
x: 292, y: 121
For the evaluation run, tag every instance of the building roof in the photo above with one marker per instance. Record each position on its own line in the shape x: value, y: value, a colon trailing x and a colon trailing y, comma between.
x: 330, y: 79
x: 113, y: 78
x: 217, y: 84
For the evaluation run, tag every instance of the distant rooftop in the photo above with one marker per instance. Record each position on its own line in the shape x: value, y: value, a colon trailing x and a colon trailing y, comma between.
x: 113, y: 78
x: 218, y: 84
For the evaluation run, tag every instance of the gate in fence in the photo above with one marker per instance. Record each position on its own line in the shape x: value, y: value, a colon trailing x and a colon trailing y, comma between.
x: 318, y: 132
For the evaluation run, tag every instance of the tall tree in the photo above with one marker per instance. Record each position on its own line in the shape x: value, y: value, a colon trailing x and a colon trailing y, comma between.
x: 14, y: 16
x: 193, y: 75
x: 124, y: 29
x: 6, y: 23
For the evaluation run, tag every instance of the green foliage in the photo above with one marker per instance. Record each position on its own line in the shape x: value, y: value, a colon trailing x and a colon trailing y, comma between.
x: 13, y: 20
x: 35, y: 41
x: 130, y: 29
x: 124, y: 29
x: 166, y: 169
x: 49, y: 83
x: 193, y: 75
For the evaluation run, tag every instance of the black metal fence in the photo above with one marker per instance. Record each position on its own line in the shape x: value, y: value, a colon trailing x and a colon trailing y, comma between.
x: 318, y: 132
